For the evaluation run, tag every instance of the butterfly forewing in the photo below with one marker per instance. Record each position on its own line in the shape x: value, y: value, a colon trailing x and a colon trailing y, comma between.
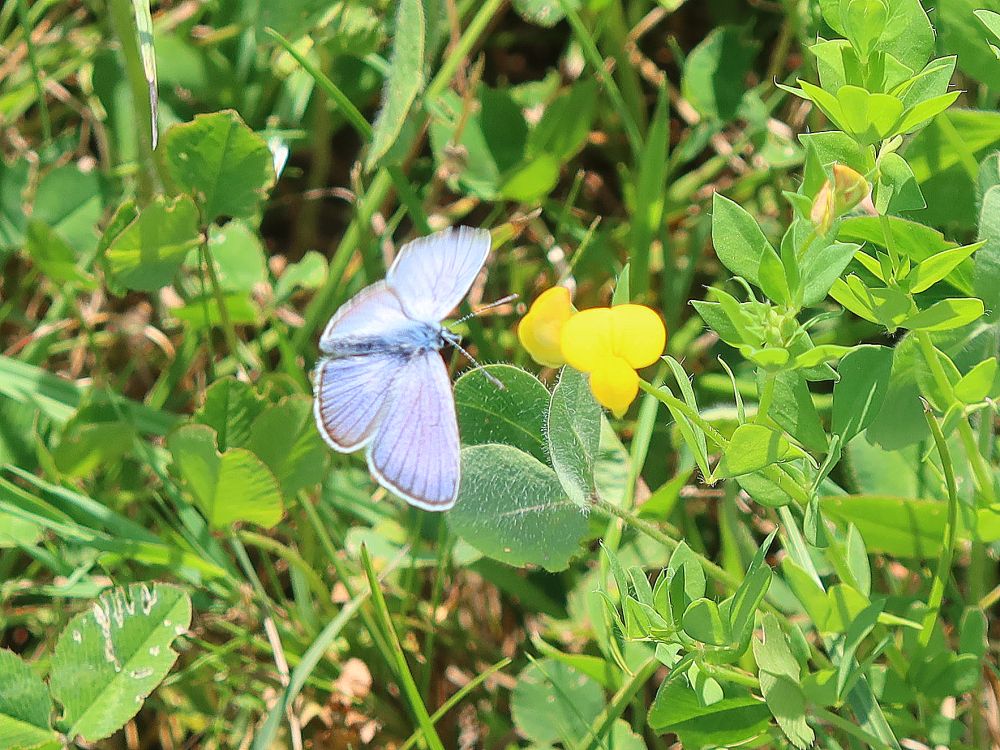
x: 431, y: 275
x: 415, y: 452
x: 374, y: 313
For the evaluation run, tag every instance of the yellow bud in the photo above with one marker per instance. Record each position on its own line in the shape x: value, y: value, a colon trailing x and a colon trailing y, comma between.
x: 540, y: 331
x: 614, y: 385
x: 822, y: 213
x: 850, y: 188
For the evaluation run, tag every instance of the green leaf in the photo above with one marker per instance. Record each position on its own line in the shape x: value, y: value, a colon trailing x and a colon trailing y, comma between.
x: 896, y: 189
x: 228, y: 487
x: 979, y: 383
x: 553, y: 702
x: 285, y: 438
x: 532, y: 180
x: 545, y: 13
x: 68, y: 200
x: 308, y: 273
x: 714, y: 72
x: 946, y: 314
x: 512, y: 508
x: 921, y: 113
x: 107, y: 660
x: 238, y: 256
x: 149, y: 251
x: 908, y: 34
x: 736, y: 719
x: 987, y: 262
x: 772, y: 652
x: 897, y: 526
x: 868, y: 117
x: 960, y: 30
x: 929, y: 272
x: 787, y: 703
x: 650, y: 192
x: 230, y: 408
x: 821, y: 266
x: 858, y: 395
x: 565, y: 123
x: 573, y: 429
x: 491, y: 140
x: 25, y: 705
x: 705, y: 623
x: 54, y: 257
x: 864, y: 23
x: 13, y: 218
x: 514, y: 415
x: 693, y: 435
x: 845, y: 604
x: 738, y: 240
x: 793, y: 410
x: 221, y: 163
x: 751, y: 448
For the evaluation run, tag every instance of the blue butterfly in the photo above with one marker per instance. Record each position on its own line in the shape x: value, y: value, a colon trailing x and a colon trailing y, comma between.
x: 382, y: 384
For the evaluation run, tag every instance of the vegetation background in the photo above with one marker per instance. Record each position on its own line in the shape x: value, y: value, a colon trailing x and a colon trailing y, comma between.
x: 167, y: 271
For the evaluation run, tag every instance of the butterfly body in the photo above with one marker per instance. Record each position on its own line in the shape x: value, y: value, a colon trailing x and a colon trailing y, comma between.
x: 383, y: 385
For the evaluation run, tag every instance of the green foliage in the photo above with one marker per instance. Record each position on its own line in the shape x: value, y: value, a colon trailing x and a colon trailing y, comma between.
x: 106, y: 662
x: 828, y: 266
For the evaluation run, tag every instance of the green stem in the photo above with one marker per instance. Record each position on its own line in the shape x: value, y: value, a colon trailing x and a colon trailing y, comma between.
x: 229, y: 331
x: 596, y: 61
x: 43, y: 107
x: 603, y: 721
x: 457, y: 698
x: 848, y: 727
x: 402, y: 669
x: 124, y: 23
x: 950, y: 533
x: 460, y: 51
x: 776, y: 474
x: 290, y: 556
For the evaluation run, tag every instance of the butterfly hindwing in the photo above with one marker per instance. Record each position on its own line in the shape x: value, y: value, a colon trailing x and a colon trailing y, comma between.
x: 351, y: 394
x: 415, y: 451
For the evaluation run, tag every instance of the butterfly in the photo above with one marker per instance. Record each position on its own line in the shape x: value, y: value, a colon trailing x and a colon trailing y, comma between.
x: 382, y: 384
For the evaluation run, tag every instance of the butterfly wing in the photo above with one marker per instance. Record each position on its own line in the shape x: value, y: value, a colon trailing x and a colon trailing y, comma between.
x: 350, y: 395
x: 373, y: 313
x: 431, y: 275
x: 415, y: 451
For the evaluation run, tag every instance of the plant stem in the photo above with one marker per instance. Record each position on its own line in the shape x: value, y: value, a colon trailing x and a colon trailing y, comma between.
x: 402, y: 669
x: 220, y: 300
x: 950, y: 533
x: 603, y: 721
x: 124, y: 23
x: 43, y: 107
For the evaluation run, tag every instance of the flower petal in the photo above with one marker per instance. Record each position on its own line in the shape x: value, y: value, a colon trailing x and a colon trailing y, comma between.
x: 587, y: 338
x: 614, y: 385
x: 638, y: 335
x: 541, y: 328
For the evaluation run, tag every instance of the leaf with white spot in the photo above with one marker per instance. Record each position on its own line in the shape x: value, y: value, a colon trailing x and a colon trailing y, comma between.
x: 111, y: 657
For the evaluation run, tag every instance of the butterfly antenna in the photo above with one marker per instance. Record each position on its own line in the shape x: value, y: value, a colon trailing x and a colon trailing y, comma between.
x: 490, y: 306
x: 486, y: 373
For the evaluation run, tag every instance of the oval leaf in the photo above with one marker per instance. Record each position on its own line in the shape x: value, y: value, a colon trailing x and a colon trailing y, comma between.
x: 512, y: 508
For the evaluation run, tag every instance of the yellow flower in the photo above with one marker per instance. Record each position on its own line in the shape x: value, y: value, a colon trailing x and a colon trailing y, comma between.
x: 610, y: 344
x: 540, y: 330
